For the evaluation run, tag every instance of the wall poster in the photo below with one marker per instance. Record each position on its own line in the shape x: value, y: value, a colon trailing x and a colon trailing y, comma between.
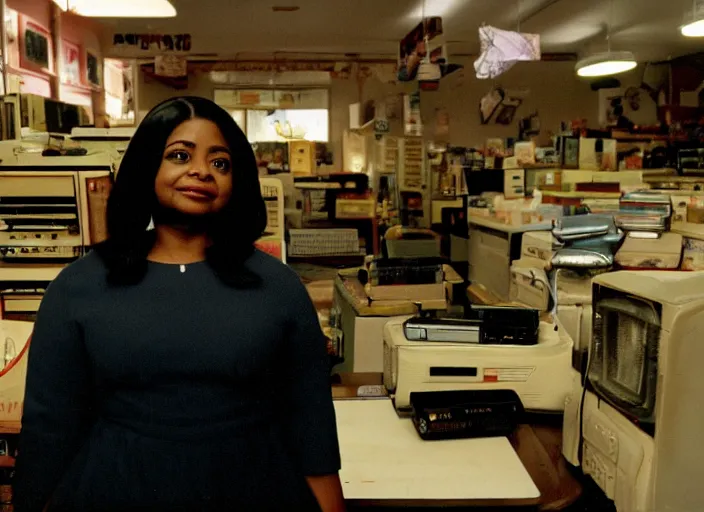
x: 70, y: 72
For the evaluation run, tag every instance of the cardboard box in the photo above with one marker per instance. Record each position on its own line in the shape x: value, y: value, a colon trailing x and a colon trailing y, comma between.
x: 695, y: 214
x: 302, y: 157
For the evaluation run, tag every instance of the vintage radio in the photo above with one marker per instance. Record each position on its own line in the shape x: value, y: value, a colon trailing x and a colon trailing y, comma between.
x: 457, y: 414
x: 52, y: 208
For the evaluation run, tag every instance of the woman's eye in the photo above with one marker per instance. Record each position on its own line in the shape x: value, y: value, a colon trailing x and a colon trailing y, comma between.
x: 221, y: 164
x: 179, y: 156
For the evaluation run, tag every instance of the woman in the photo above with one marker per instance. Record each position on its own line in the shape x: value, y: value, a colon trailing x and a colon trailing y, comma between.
x: 179, y: 368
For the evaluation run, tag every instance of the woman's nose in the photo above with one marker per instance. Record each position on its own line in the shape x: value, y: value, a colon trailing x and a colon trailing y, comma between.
x: 200, y: 170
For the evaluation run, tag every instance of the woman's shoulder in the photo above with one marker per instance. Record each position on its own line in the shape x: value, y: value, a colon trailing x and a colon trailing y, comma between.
x: 267, y: 265
x: 273, y: 271
x: 87, y: 271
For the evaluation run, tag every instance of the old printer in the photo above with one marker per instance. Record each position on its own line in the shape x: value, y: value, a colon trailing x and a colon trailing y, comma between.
x: 539, y: 374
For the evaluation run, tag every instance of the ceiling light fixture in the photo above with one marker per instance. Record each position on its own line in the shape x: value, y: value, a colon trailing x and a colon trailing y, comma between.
x: 119, y: 8
x: 607, y: 63
x: 695, y: 21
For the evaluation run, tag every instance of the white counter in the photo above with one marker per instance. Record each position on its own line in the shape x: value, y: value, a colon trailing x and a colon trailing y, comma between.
x: 384, y: 458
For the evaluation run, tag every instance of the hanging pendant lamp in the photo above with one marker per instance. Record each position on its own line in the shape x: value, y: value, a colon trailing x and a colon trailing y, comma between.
x: 694, y: 26
x: 119, y: 8
x: 607, y: 63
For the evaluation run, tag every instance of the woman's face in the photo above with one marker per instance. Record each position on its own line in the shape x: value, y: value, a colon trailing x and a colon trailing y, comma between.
x: 195, y: 176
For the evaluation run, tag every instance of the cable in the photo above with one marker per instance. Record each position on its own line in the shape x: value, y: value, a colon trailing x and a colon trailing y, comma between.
x: 580, y: 447
x: 518, y: 10
x: 608, y: 25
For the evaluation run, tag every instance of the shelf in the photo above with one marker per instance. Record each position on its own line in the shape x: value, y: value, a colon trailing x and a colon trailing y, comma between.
x: 640, y: 137
x: 9, y: 427
x: 579, y: 195
x: 29, y: 271
x: 674, y: 179
x: 538, y: 167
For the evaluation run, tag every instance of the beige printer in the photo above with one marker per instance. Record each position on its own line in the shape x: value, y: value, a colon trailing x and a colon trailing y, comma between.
x: 540, y: 374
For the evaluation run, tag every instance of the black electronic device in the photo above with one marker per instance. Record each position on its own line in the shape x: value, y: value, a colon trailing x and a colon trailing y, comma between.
x: 460, y: 414
x: 490, y: 325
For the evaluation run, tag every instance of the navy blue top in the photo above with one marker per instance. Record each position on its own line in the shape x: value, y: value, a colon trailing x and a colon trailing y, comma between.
x: 179, y: 393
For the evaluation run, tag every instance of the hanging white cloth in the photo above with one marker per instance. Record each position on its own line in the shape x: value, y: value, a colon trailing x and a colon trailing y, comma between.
x: 501, y: 49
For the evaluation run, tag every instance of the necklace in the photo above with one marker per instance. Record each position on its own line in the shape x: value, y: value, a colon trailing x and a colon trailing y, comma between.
x: 182, y: 268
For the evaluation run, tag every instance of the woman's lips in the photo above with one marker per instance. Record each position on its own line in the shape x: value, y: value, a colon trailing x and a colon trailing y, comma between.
x: 197, y: 193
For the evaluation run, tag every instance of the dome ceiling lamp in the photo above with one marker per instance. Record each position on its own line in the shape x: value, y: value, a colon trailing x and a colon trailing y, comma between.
x: 119, y: 8
x: 694, y: 25
x: 606, y: 63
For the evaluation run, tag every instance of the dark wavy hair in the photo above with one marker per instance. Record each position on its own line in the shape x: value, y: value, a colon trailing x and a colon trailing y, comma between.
x: 133, y: 200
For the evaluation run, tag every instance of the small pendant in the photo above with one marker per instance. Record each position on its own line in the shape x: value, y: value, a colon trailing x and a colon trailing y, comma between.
x: 182, y: 268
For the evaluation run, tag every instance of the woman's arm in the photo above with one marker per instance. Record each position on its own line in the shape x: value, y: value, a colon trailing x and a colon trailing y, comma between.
x: 328, y: 492
x: 56, y: 404
x: 311, y: 429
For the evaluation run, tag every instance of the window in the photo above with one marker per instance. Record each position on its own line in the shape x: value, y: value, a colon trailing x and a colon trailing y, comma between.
x: 283, y: 125
x: 119, y: 92
x: 268, y: 115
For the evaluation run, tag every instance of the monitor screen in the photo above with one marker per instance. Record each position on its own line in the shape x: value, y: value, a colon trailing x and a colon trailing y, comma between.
x: 625, y: 341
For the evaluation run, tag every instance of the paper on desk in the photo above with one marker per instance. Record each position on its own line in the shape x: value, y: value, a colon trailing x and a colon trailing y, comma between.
x: 384, y: 458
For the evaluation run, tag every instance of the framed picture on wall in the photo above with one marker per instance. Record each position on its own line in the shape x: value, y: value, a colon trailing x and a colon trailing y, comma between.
x: 507, y: 110
x: 489, y: 104
x: 35, y: 46
x: 70, y: 71
x: 93, y: 71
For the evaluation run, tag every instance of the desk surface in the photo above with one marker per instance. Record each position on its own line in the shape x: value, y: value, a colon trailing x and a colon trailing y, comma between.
x: 488, y: 222
x: 384, y: 459
x: 538, y: 445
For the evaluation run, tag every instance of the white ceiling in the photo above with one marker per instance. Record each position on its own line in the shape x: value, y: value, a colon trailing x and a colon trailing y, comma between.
x: 230, y: 27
